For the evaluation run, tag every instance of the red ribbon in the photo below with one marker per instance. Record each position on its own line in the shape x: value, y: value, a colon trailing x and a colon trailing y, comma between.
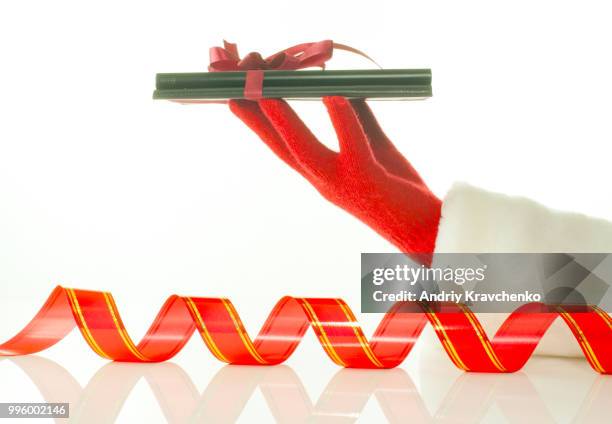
x: 462, y: 336
x: 300, y: 56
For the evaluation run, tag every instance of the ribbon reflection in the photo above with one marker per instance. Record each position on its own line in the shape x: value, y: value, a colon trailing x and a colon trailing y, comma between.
x: 343, y: 399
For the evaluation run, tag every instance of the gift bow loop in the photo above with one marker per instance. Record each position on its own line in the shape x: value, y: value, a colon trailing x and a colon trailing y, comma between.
x: 300, y: 56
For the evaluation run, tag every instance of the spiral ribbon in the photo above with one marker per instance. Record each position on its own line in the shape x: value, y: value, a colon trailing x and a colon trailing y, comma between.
x: 465, y: 341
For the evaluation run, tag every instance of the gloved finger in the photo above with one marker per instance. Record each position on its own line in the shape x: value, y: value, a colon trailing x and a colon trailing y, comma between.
x: 384, y: 151
x: 250, y: 113
x: 309, y: 152
x: 352, y: 139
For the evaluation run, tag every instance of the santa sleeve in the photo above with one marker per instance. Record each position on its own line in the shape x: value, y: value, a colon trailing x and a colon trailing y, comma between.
x: 475, y: 220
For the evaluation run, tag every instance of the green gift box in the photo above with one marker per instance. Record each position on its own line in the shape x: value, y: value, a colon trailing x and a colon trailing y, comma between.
x: 393, y: 84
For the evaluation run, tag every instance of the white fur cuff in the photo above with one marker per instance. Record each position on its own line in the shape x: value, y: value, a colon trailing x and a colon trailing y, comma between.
x: 478, y: 221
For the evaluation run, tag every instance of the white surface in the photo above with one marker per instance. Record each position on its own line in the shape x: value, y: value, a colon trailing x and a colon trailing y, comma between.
x: 548, y: 390
x: 103, y: 188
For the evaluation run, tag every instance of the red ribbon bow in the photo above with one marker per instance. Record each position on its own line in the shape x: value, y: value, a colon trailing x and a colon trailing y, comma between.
x: 300, y: 56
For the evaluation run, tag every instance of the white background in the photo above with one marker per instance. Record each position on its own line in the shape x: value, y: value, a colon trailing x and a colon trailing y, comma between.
x: 103, y: 188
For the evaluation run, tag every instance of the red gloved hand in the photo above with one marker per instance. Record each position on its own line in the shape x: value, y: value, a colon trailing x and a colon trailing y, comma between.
x: 368, y: 177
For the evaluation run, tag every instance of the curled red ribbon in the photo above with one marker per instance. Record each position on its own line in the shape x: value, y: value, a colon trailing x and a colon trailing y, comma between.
x: 217, y: 321
x: 300, y: 56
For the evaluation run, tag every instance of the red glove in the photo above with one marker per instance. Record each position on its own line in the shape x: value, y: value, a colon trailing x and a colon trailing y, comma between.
x: 368, y: 178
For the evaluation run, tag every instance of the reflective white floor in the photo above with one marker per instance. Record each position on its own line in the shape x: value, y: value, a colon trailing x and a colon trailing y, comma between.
x: 428, y: 389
